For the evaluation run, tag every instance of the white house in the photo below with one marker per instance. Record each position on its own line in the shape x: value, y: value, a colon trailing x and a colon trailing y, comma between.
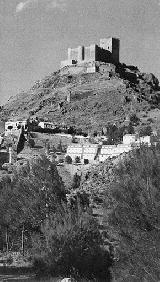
x: 83, y: 151
x: 44, y: 124
x: 90, y: 152
x: 75, y: 150
x: 129, y: 139
x: 15, y: 127
x: 110, y: 151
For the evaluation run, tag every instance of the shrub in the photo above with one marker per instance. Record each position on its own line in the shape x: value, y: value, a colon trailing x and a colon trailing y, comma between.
x: 77, y: 160
x: 31, y: 143
x: 132, y: 215
x: 134, y: 120
x: 71, y: 247
x: 76, y: 181
x: 145, y: 131
x: 68, y: 160
x: 86, y: 161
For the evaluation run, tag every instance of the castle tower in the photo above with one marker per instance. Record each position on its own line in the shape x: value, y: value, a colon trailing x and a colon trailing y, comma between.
x: 113, y: 45
x: 76, y: 54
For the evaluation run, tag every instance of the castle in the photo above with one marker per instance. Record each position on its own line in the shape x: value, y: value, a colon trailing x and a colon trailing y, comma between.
x: 93, y: 58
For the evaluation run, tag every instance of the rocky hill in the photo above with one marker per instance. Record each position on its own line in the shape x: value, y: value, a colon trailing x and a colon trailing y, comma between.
x: 95, y: 99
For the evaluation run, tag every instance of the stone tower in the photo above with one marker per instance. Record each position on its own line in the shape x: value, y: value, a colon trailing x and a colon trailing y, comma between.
x: 113, y: 45
x: 69, y: 96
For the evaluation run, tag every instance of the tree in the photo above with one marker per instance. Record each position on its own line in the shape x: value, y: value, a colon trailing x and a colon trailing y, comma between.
x: 115, y: 134
x: 71, y: 246
x: 77, y: 160
x: 146, y: 131
x: 26, y: 202
x: 38, y: 186
x: 134, y: 120
x: 130, y: 129
x: 68, y: 159
x: 59, y: 147
x: 31, y: 142
x: 132, y: 218
x: 76, y: 181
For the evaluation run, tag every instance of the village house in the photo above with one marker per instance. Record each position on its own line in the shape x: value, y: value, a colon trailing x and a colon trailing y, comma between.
x: 15, y: 127
x: 86, y: 152
x: 99, y: 152
x: 46, y: 125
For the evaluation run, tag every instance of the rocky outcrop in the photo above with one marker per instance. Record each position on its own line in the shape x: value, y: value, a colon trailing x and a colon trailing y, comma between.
x: 94, y: 98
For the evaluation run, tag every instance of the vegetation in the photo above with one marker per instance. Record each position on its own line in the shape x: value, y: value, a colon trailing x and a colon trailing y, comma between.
x: 132, y: 216
x: 68, y: 160
x: 77, y: 160
x: 71, y: 246
x: 147, y: 130
x: 94, y: 100
x: 34, y: 191
x: 76, y: 181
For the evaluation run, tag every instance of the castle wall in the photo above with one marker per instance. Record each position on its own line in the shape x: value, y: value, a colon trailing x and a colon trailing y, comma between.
x: 68, y: 63
x: 107, y: 52
x: 76, y: 54
x: 106, y: 68
x: 115, y: 50
x: 103, y: 55
x: 73, y: 70
x: 88, y: 67
x: 106, y: 44
x: 112, y: 45
x: 90, y: 52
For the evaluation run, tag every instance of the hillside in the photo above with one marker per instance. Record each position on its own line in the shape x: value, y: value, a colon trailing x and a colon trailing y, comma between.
x: 95, y: 99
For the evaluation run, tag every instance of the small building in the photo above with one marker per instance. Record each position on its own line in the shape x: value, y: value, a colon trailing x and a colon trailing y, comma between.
x: 86, y: 152
x: 15, y: 127
x: 129, y: 139
x: 46, y: 125
x: 110, y: 151
x: 90, y: 152
x: 145, y: 140
x: 75, y: 150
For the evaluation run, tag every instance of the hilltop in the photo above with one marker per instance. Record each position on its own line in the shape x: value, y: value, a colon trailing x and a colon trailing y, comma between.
x: 95, y: 99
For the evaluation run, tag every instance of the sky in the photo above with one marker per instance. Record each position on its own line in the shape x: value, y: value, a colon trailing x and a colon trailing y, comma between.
x: 35, y: 35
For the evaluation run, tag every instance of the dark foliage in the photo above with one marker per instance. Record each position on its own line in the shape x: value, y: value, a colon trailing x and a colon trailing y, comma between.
x: 71, y: 246
x: 68, y: 160
x: 147, y: 130
x: 132, y: 216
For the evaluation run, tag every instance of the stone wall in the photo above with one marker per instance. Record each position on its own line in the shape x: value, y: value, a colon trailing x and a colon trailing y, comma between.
x: 113, y: 46
x: 107, y: 52
x: 76, y: 54
x: 88, y: 67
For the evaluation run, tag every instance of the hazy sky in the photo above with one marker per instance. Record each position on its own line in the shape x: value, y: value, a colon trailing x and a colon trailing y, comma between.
x: 35, y: 35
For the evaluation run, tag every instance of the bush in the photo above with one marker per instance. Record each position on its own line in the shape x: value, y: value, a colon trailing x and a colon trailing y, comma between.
x: 31, y: 143
x: 145, y: 131
x: 72, y: 247
x: 76, y: 181
x: 77, y: 160
x: 134, y: 120
x: 68, y: 160
x: 86, y: 161
x: 132, y: 215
